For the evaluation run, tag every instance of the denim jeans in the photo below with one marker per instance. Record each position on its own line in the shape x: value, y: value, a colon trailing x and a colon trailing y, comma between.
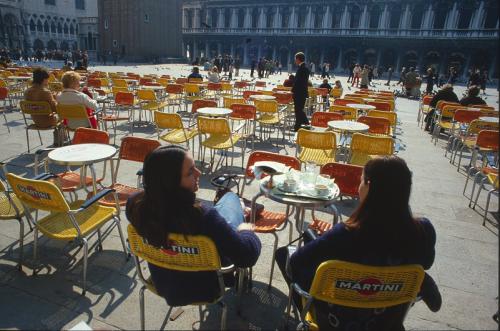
x: 229, y: 207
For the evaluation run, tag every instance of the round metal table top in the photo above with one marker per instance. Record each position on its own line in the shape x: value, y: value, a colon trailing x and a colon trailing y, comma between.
x: 262, y: 97
x: 490, y: 119
x: 299, y: 201
x: 82, y: 154
x: 154, y: 88
x: 20, y: 77
x: 348, y: 126
x: 214, y: 111
x: 361, y: 106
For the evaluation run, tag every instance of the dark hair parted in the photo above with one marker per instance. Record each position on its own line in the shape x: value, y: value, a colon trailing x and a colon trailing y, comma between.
x: 164, y: 205
x: 39, y: 75
x: 300, y: 56
x: 384, y: 220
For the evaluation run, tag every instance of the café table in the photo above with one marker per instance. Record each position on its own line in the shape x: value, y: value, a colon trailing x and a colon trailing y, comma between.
x: 262, y: 97
x: 20, y: 77
x: 154, y: 88
x: 83, y: 155
x: 361, y: 107
x: 347, y: 128
x: 214, y: 111
x: 299, y: 202
x: 489, y: 119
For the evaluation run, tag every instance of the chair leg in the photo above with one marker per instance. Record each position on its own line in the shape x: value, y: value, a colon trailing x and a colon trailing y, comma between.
x: 99, y: 240
x: 85, y: 261
x: 28, y: 140
x: 223, y: 317
x: 487, y: 206
x: 124, y: 246
x: 40, y: 137
x: 275, y: 247
x: 141, y: 307
x: 21, y: 243
x: 35, y: 248
x: 6, y: 123
x: 474, y: 182
x: 478, y: 193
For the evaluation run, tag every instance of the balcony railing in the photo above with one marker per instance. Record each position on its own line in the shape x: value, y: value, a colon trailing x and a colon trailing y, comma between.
x: 387, y: 33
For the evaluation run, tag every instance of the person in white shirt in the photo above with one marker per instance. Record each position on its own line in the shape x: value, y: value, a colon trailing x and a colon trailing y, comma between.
x: 213, y: 76
x: 72, y: 96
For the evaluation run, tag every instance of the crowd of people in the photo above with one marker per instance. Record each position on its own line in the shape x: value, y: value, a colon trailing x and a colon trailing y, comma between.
x: 8, y: 55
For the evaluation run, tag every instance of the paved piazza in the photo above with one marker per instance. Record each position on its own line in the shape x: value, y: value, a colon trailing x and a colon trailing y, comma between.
x: 465, y: 268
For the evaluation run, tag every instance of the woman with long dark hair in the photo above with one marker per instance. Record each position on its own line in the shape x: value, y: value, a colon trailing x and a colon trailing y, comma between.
x: 381, y: 231
x: 168, y: 205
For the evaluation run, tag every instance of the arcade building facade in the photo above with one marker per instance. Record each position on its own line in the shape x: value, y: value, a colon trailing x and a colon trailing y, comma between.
x: 383, y: 33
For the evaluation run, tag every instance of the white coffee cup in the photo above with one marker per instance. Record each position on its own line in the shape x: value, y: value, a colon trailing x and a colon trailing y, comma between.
x: 290, y: 185
x: 321, y: 190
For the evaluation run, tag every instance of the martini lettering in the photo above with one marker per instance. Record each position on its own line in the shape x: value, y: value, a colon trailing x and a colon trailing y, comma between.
x: 174, y: 249
x: 368, y: 286
x: 34, y: 193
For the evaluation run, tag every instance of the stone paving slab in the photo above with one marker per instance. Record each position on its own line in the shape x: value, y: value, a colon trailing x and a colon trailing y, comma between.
x: 465, y: 268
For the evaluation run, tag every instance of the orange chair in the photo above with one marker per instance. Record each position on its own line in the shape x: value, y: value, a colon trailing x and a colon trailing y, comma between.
x: 247, y: 113
x: 341, y: 102
x: 321, y: 119
x: 181, y: 81
x: 260, y: 84
x: 380, y: 105
x: 70, y: 181
x: 132, y: 149
x: 124, y: 101
x: 95, y: 83
x: 268, y: 221
x: 247, y: 94
x: 175, y: 94
x: 424, y: 108
x: 462, y: 117
x: 4, y: 96
x: 347, y: 177
x: 378, y: 125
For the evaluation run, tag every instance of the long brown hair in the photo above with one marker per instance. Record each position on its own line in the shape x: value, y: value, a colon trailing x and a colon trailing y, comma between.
x: 164, y: 206
x: 383, y: 220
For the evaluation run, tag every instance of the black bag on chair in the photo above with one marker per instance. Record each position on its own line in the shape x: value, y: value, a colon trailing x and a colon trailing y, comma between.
x: 59, y: 136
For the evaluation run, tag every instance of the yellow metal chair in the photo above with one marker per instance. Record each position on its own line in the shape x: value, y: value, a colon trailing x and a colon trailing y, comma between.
x: 11, y: 208
x: 358, y: 286
x: 316, y: 147
x: 73, y: 116
x: 192, y: 92
x: 149, y: 102
x: 444, y: 121
x: 228, y: 102
x: 118, y: 82
x: 199, y: 254
x: 226, y: 90
x: 56, y: 87
x: 348, y: 113
x: 75, y: 222
x: 268, y: 115
x: 36, y: 108
x: 218, y: 137
x: 366, y: 147
x: 177, y: 133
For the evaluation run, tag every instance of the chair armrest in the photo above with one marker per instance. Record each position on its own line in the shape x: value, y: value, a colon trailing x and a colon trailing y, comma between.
x: 43, y: 150
x: 95, y: 198
x: 45, y: 176
x: 227, y: 269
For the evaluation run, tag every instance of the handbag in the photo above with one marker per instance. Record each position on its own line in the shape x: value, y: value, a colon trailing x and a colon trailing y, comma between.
x: 59, y: 136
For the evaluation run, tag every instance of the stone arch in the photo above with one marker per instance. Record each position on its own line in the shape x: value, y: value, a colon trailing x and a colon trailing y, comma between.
x: 64, y: 46
x: 59, y: 28
x: 355, y: 12
x: 38, y: 44
x: 457, y: 60
x: 375, y: 13
x: 53, y: 27
x: 65, y: 28
x: 32, y: 25
x: 410, y: 59
x: 370, y: 56
x: 71, y: 29
x: 285, y: 17
x: 39, y: 26
x: 432, y: 59
x: 46, y: 26
x: 51, y: 45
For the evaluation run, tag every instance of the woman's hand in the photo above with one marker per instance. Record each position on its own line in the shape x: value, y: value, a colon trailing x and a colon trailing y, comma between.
x: 246, y: 227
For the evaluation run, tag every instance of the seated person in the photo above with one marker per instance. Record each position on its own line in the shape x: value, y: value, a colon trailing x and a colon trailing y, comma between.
x: 213, y: 75
x: 445, y: 93
x: 472, y: 97
x: 68, y: 66
x: 382, y: 232
x: 71, y: 95
x: 39, y: 91
x: 195, y: 74
x: 289, y: 82
x: 338, y: 86
x: 168, y: 205
x: 326, y: 85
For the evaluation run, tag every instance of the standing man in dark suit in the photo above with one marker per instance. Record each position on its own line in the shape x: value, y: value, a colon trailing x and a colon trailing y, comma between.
x: 299, y: 90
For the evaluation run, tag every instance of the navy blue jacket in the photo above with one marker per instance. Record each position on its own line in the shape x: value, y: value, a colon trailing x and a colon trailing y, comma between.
x: 239, y: 248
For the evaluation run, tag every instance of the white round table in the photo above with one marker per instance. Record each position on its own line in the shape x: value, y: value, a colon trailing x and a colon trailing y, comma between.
x: 214, y: 111
x: 83, y: 155
x: 262, y: 97
x: 489, y: 119
x: 474, y: 108
x: 154, y: 88
x: 349, y: 126
x: 19, y: 77
x: 361, y: 106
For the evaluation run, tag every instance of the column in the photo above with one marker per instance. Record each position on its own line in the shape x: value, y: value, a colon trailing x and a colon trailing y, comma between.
x: 451, y: 17
x: 245, y: 54
x: 259, y: 52
x: 379, y: 57
x: 232, y: 50
x: 327, y: 18
x: 398, y: 63
x: 364, y: 18
x: 405, y: 20
x: 278, y: 18
x: 184, y: 18
x: 321, y: 58
x: 195, y: 50
x: 477, y: 19
x: 466, y: 67
x: 207, y: 50
x: 493, y: 66
x: 308, y: 23
x: 219, y: 49
x: 344, y: 22
x: 289, y: 57
x: 420, y: 61
x: 274, y: 53
x: 184, y: 52
x: 262, y: 19
x: 293, y: 19
x: 384, y: 20
x: 339, y: 61
x: 442, y: 63
x: 220, y: 20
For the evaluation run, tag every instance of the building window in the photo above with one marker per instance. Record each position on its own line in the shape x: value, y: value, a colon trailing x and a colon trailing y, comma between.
x: 146, y: 18
x: 50, y: 2
x: 115, y: 43
x: 106, y: 24
x: 80, y: 4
